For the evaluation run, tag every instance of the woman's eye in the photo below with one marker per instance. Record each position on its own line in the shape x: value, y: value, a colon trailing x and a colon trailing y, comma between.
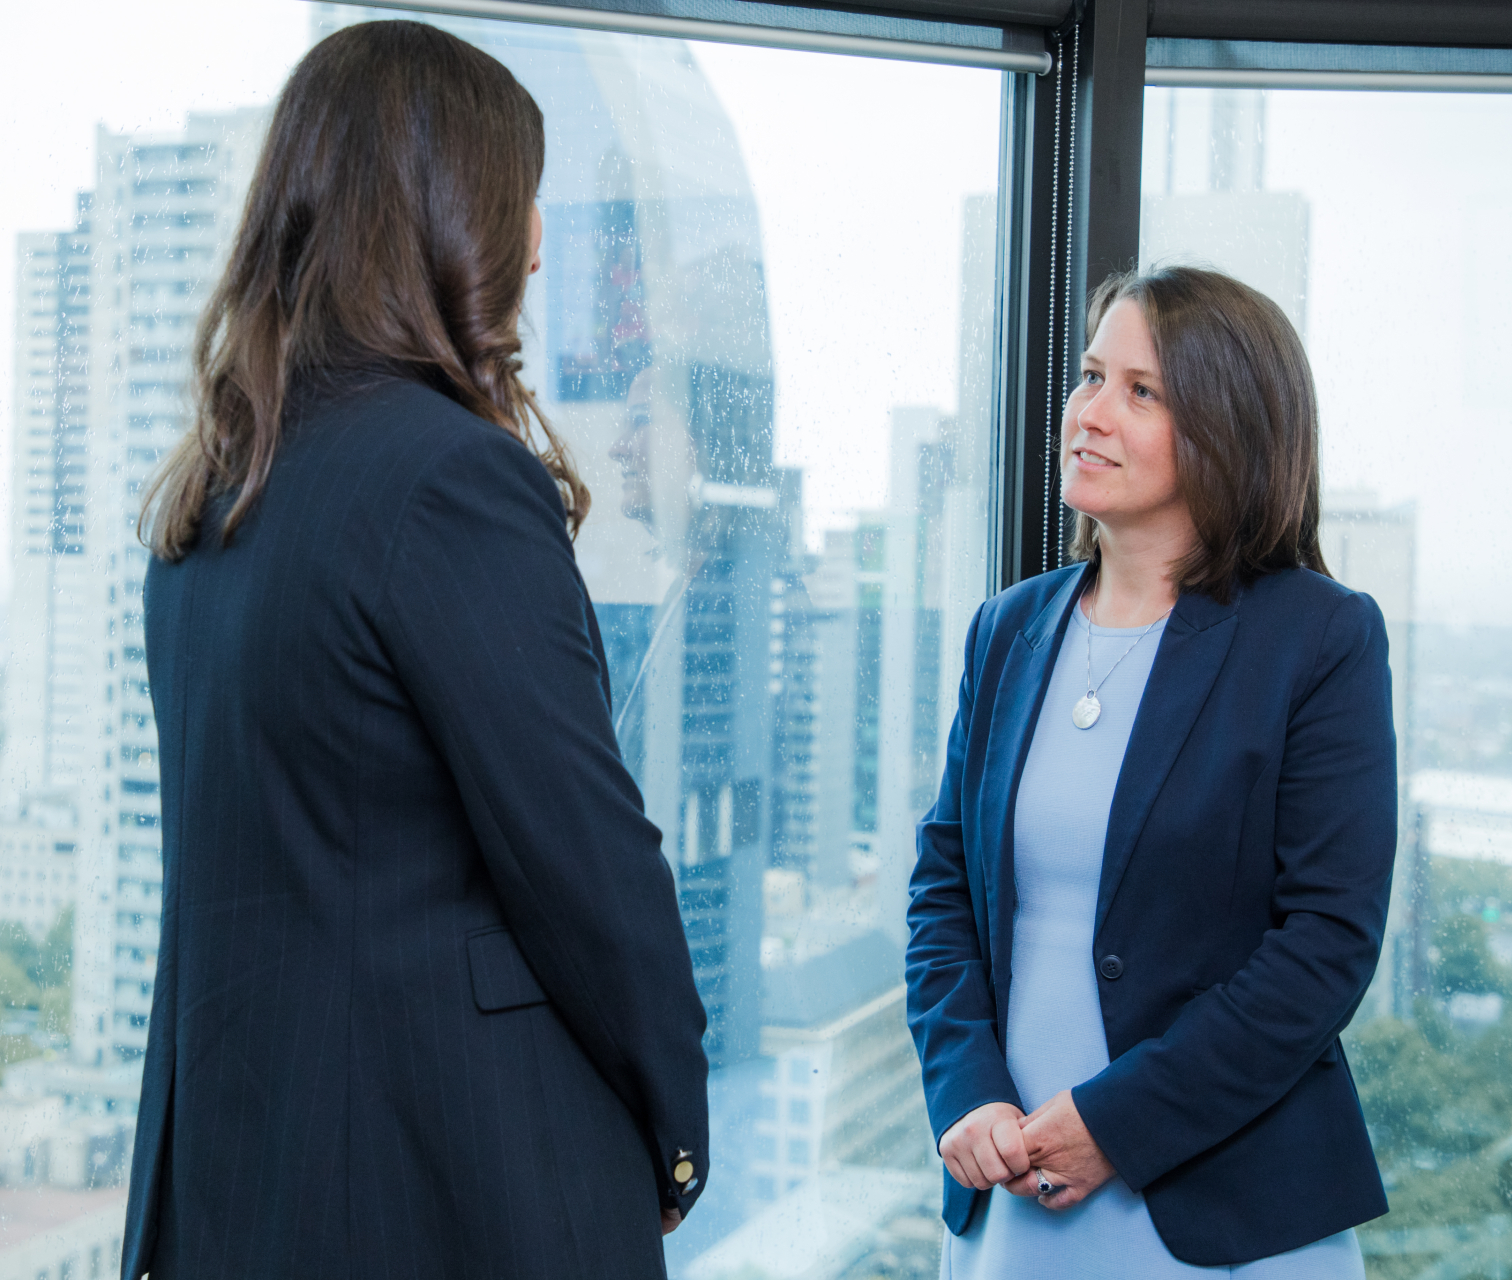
x: 1091, y: 377
x: 1143, y: 392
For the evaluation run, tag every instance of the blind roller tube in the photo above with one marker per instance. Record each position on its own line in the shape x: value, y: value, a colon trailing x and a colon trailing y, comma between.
x: 646, y: 24
x: 1368, y: 81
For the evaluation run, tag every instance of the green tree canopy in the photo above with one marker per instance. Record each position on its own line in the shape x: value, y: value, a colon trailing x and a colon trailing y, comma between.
x: 1462, y: 959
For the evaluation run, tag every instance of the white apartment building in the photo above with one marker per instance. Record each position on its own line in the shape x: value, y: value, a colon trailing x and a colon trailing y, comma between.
x: 1372, y: 547
x: 106, y: 318
x: 46, y: 684
x: 38, y: 874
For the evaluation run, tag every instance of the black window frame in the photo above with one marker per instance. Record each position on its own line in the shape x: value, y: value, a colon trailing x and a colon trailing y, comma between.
x: 1069, y: 196
x: 1117, y: 47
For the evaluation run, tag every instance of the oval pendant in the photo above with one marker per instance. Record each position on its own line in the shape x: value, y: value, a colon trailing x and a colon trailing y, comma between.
x: 1084, y: 714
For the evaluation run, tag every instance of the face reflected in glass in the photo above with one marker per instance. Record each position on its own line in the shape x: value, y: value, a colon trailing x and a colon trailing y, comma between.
x: 1118, y: 443
x: 655, y: 457
x: 632, y: 450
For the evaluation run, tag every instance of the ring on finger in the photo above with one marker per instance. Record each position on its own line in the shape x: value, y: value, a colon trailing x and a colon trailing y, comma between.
x: 1044, y: 1186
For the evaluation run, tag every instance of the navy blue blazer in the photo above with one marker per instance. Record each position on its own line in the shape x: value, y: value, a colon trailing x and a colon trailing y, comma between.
x: 424, y: 1005
x: 1243, y: 898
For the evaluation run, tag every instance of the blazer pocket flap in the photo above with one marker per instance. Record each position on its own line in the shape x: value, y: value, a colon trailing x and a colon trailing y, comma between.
x: 501, y: 979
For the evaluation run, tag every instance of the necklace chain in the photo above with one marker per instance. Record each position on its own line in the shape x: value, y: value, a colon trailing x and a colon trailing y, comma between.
x: 1092, y: 622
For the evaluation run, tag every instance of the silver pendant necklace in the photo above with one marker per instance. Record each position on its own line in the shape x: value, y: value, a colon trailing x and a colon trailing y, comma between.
x: 1084, y: 714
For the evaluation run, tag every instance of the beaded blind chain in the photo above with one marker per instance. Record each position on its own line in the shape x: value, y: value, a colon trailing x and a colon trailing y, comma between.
x: 1060, y: 510
x: 1059, y: 243
x: 1060, y: 66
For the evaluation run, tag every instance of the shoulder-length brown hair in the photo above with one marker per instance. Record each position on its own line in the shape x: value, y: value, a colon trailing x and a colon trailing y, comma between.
x: 1245, y: 413
x: 387, y: 227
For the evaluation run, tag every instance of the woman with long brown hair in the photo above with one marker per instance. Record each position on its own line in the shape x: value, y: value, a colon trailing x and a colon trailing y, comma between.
x: 423, y: 1003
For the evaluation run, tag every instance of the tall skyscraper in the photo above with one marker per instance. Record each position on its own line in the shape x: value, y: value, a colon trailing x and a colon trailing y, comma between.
x: 1371, y: 546
x: 46, y: 741
x: 107, y: 313
x: 843, y: 677
x: 1205, y: 200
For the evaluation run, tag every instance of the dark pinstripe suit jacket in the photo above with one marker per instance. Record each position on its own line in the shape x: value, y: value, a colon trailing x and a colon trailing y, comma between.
x: 423, y: 1005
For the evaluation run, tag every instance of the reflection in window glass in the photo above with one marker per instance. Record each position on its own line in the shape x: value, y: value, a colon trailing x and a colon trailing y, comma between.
x: 1376, y: 223
x: 764, y: 324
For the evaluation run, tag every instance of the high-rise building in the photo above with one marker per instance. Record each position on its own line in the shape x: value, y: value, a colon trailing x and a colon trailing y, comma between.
x: 38, y: 874
x: 1371, y: 546
x: 843, y: 679
x: 168, y: 211
x: 48, y: 680
x: 844, y: 1085
x: 907, y: 770
x: 1205, y: 202
x: 108, y: 312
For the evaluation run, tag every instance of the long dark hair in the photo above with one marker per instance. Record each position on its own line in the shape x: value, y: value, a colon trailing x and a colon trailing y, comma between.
x: 1245, y: 414
x: 387, y: 227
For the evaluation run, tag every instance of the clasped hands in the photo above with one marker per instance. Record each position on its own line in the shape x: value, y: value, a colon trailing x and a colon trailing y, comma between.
x: 998, y: 1145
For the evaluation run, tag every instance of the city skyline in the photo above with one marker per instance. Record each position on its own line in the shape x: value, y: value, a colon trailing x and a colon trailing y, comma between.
x: 873, y: 178
x: 784, y: 665
x: 740, y: 719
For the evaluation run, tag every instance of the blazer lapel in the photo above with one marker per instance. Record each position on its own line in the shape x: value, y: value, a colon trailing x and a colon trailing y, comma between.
x: 1020, y: 685
x: 1193, y: 646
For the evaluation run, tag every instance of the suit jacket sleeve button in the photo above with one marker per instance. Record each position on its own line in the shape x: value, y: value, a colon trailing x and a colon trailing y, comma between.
x: 682, y: 1171
x: 1111, y: 967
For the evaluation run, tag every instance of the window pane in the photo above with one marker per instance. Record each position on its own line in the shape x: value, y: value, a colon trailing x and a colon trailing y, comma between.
x: 1378, y: 225
x: 764, y: 325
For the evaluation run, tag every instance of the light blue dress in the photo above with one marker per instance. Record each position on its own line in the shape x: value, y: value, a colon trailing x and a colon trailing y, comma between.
x: 1055, y: 1027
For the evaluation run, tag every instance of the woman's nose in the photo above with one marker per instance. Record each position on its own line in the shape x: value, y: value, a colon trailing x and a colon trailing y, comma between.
x: 1091, y: 415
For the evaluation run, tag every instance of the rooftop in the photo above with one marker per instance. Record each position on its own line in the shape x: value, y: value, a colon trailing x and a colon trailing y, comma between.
x: 821, y: 989
x: 28, y: 1212
x: 1452, y: 789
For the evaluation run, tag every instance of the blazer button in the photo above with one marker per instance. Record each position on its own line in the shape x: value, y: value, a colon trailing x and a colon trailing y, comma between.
x: 1111, y: 967
x: 682, y: 1171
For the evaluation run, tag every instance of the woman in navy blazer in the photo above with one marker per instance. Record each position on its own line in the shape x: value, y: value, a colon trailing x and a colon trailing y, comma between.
x: 424, y: 1006
x: 1236, y: 838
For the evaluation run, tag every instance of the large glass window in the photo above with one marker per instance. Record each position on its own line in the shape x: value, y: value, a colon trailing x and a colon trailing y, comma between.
x: 1379, y: 222
x: 764, y: 324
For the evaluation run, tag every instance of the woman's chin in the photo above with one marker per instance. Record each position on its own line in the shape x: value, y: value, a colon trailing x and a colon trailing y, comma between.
x: 638, y: 510
x: 635, y: 502
x: 1085, y: 496
x: 1083, y: 503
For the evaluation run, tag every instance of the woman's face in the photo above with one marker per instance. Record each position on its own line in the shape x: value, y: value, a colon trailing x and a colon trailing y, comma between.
x: 656, y: 461
x: 535, y: 238
x: 1118, y: 443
